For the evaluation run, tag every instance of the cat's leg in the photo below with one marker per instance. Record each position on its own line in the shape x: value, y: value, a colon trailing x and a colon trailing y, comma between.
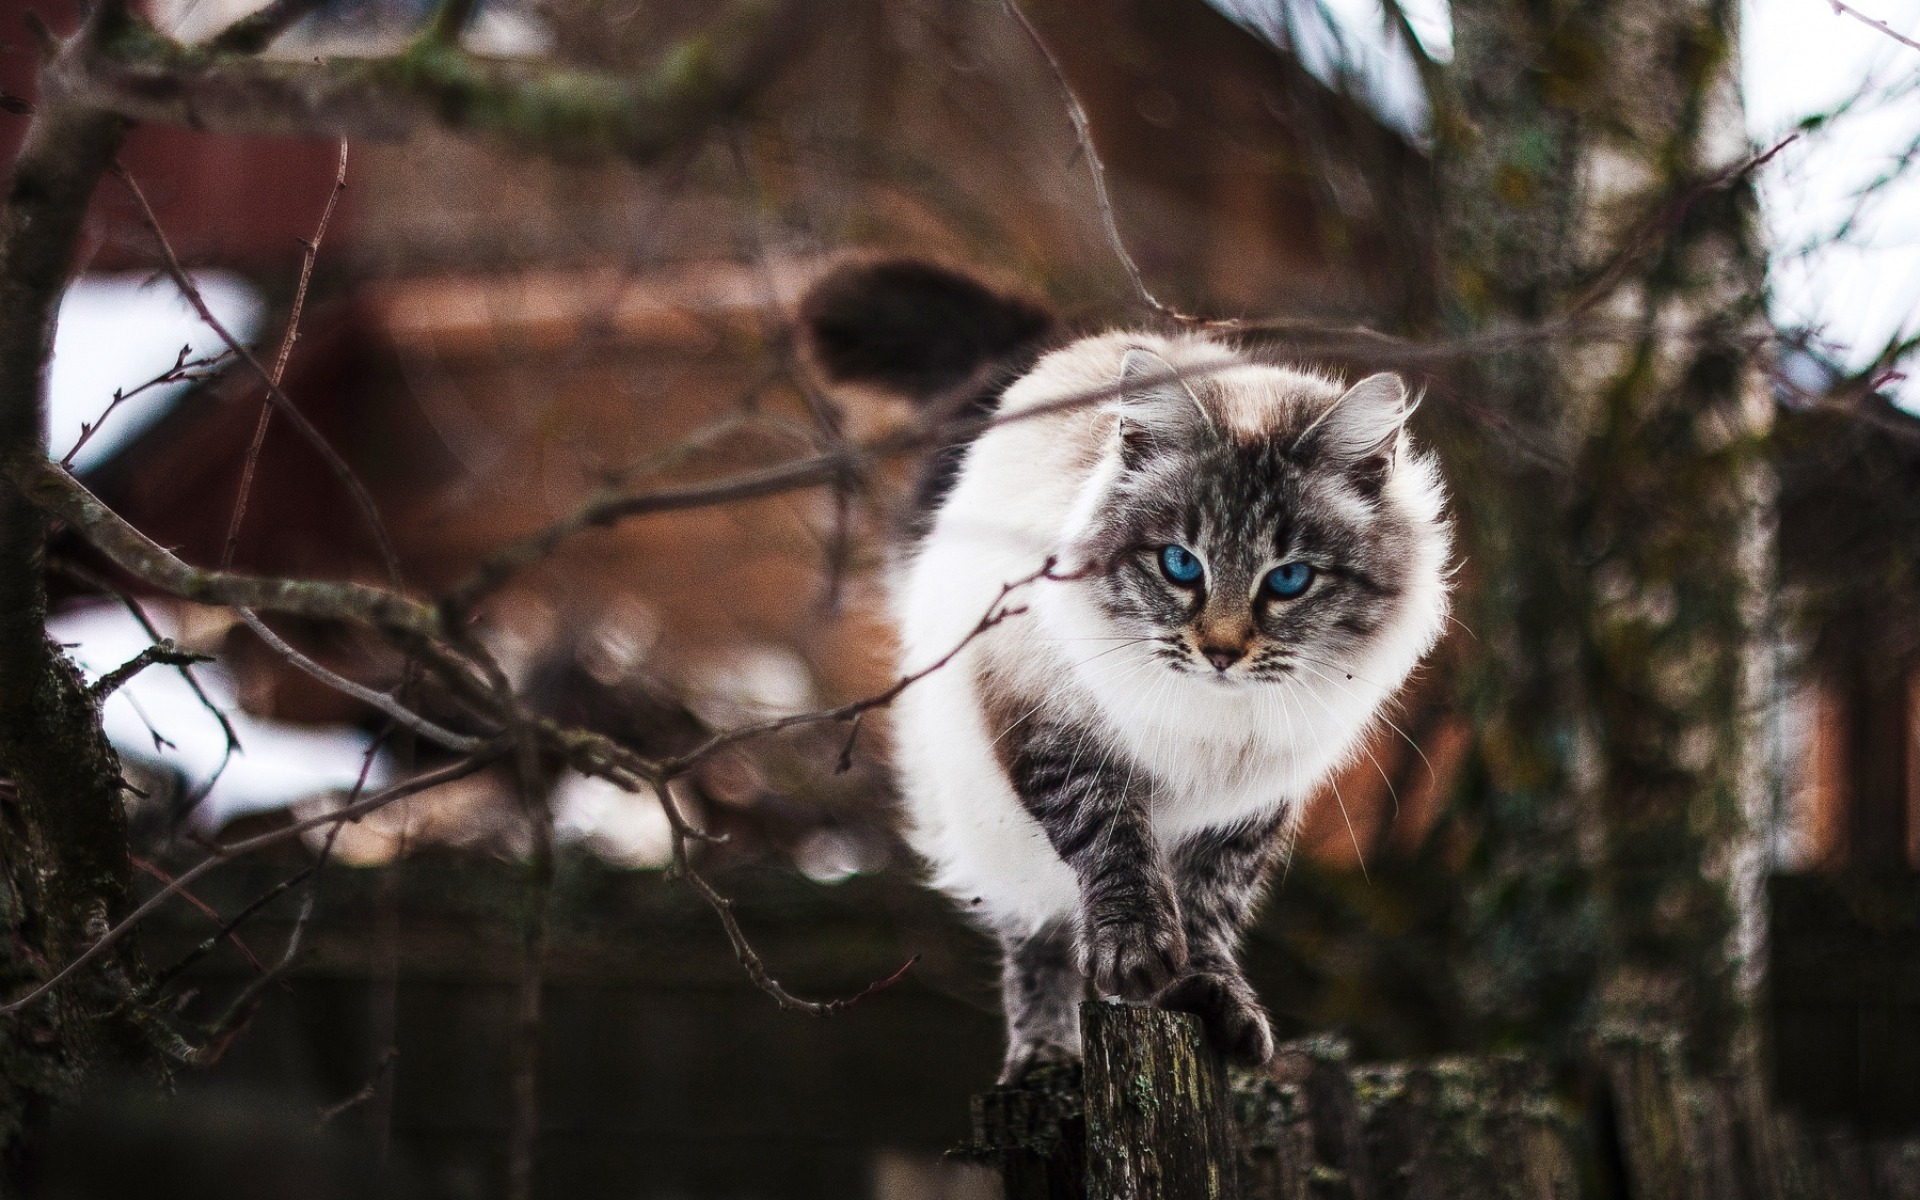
x: 1041, y: 988
x: 1218, y: 875
x: 1095, y: 816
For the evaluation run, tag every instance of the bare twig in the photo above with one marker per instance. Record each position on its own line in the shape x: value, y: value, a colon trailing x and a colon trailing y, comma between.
x: 257, y: 30
x: 232, y: 850
x: 225, y: 932
x: 1656, y: 229
x: 366, y: 695
x: 162, y: 651
x: 183, y: 370
x: 1083, y: 131
x: 613, y: 505
x: 139, y: 613
x: 314, y: 438
x: 749, y: 959
x: 1849, y: 11
x: 332, y: 1112
x: 310, y: 250
x: 997, y: 612
x: 227, y: 929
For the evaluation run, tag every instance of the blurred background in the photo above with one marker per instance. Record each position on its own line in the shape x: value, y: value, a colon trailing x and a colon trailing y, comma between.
x: 492, y: 340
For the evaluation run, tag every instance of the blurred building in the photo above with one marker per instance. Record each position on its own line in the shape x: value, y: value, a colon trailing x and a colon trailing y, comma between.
x: 490, y: 339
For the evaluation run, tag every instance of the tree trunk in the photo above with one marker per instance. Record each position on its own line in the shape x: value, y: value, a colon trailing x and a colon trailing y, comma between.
x: 1587, y: 158
x: 67, y: 871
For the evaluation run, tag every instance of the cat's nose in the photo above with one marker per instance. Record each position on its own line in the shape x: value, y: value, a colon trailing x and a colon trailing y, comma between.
x: 1222, y: 657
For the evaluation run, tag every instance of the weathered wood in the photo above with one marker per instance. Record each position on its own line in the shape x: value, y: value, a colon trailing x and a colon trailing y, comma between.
x: 1314, y: 1127
x: 1160, y: 1121
x: 1158, y: 1124
x: 1036, y: 1134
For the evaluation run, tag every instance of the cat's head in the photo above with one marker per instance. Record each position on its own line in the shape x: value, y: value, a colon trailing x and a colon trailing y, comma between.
x: 1253, y: 523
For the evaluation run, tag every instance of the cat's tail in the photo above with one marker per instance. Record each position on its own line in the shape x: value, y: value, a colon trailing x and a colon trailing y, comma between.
x: 921, y: 331
x: 944, y: 340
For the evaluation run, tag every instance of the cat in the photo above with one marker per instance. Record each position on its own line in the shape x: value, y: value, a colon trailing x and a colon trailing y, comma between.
x: 1233, y: 565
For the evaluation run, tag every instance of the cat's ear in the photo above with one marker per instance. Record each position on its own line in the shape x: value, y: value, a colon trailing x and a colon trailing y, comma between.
x: 1159, y: 411
x: 1360, y: 434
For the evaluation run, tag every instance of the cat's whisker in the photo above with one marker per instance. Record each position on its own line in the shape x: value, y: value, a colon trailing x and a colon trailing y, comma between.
x: 1333, y: 781
x: 1365, y: 749
x: 1433, y: 776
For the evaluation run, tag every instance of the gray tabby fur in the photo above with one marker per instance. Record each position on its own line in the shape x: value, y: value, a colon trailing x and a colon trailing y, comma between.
x: 1106, y: 779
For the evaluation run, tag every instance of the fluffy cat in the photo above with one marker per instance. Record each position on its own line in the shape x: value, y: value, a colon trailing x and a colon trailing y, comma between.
x: 1248, y: 560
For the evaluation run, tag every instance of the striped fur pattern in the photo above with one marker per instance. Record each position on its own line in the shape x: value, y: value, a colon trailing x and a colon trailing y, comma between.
x: 1106, y: 778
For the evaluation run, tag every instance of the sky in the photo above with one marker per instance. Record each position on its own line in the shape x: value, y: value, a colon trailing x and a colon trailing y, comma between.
x: 1798, y: 58
x: 117, y: 332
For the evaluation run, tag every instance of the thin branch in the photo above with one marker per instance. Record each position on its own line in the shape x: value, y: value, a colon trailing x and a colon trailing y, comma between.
x: 327, y: 1115
x: 314, y: 438
x: 310, y: 250
x: 139, y: 613
x: 226, y: 931
x: 996, y: 613
x: 226, y: 853
x: 535, y: 108
x: 613, y: 505
x: 162, y: 651
x: 240, y: 1011
x: 183, y: 370
x: 1083, y: 132
x: 227, y: 928
x: 1849, y: 11
x: 257, y: 30
x: 366, y: 695
x: 749, y: 959
x: 1656, y: 229
x: 54, y: 491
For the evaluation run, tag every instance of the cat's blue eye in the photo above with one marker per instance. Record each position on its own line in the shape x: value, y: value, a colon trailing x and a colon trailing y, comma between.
x: 1289, y: 579
x: 1180, y: 564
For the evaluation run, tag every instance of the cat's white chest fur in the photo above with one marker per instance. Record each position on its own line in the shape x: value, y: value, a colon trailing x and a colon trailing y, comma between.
x: 1209, y: 751
x: 1207, y: 754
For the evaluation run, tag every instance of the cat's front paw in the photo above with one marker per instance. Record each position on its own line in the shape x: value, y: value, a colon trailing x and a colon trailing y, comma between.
x: 1135, y: 955
x: 1236, y: 1024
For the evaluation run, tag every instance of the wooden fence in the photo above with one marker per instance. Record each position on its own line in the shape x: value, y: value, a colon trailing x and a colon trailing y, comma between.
x: 1153, y: 1117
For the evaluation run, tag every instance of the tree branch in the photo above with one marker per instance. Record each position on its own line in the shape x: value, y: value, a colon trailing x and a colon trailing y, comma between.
x: 257, y: 30
x: 534, y: 108
x: 162, y: 651
x: 310, y: 251
x: 1847, y: 10
x: 363, y: 499
x: 233, y: 850
x: 53, y: 490
x: 366, y: 695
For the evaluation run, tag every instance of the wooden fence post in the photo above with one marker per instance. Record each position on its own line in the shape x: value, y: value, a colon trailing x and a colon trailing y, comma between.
x: 1158, y: 1122
x: 1146, y: 1118
x: 1151, y: 1117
